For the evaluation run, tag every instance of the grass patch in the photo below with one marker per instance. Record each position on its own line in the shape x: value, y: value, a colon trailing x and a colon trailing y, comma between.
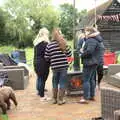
x: 29, y: 52
x: 70, y: 43
x: 6, y: 49
x: 29, y: 55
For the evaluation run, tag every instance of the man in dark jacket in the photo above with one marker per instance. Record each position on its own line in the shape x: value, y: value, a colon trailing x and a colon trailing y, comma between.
x: 91, y: 56
x: 100, y: 69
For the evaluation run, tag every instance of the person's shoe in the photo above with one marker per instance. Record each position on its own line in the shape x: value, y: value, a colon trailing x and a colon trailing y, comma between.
x: 83, y: 101
x: 42, y: 99
x: 47, y: 98
x: 55, y: 92
x: 61, y: 102
x: 61, y: 97
x: 54, y: 101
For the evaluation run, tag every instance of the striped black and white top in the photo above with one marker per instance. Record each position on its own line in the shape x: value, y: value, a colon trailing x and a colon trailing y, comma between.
x: 57, y: 58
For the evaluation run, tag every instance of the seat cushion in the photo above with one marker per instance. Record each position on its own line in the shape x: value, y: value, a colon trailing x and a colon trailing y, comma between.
x: 115, y: 80
x: 118, y: 74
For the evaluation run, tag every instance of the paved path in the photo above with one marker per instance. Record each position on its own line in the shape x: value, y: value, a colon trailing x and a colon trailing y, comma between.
x: 31, y: 108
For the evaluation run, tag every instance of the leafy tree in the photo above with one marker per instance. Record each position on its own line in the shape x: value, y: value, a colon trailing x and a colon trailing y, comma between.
x: 81, y: 15
x: 68, y: 12
x: 26, y: 17
x: 66, y: 20
x: 2, y: 26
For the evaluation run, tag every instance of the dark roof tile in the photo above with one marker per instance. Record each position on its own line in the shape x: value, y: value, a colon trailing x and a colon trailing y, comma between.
x: 89, y: 20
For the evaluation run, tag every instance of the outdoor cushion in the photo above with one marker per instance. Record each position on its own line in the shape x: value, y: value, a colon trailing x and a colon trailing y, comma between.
x: 115, y: 80
x: 118, y: 74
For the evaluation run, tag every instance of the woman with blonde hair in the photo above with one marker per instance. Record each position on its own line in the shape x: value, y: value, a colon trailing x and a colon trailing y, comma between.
x: 40, y: 65
x: 57, y: 52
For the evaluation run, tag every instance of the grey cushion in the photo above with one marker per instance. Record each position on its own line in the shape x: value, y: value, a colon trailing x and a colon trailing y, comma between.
x: 114, y: 80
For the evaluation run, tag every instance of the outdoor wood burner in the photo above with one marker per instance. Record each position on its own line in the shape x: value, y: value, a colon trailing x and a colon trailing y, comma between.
x: 74, y: 83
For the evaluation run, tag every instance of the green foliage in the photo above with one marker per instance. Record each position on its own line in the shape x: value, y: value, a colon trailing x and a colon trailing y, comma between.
x: 29, y: 55
x: 2, y: 22
x: 20, y: 20
x: 24, y: 19
x: 118, y: 59
x: 67, y: 17
x: 2, y: 26
x: 50, y: 19
x: 6, y: 49
x: 81, y: 15
x: 66, y: 20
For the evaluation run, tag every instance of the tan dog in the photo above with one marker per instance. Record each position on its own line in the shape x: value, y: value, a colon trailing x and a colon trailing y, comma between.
x: 6, y: 94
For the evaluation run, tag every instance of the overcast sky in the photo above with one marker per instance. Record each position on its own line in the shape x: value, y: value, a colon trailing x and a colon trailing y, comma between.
x: 80, y: 4
x: 2, y: 1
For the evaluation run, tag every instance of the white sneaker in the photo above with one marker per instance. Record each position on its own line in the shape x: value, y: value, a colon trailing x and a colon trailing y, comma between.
x: 42, y: 99
x: 47, y: 98
x: 83, y: 101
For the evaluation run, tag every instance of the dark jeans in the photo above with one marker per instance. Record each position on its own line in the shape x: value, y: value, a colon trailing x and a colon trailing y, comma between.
x: 89, y: 81
x: 99, y: 74
x: 40, y: 84
x: 59, y: 78
x: 100, y: 71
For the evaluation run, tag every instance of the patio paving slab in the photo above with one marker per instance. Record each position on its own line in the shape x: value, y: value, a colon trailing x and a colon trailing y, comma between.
x: 31, y: 108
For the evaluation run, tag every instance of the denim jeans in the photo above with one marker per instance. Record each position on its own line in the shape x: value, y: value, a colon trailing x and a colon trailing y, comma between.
x: 59, y: 78
x: 99, y: 74
x: 40, y: 84
x: 89, y: 81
